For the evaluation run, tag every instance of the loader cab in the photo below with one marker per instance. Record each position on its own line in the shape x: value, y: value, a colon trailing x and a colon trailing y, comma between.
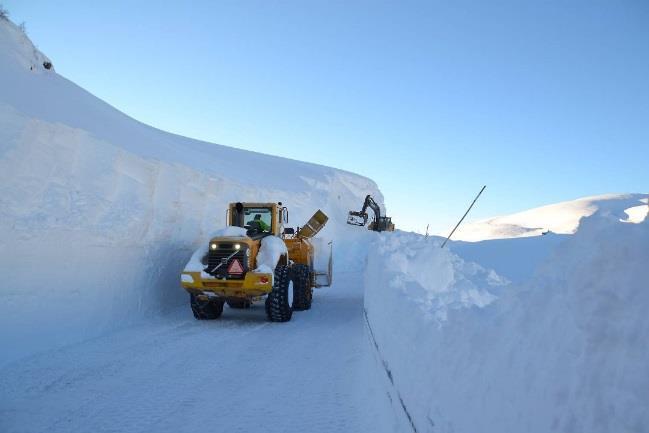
x: 259, y: 219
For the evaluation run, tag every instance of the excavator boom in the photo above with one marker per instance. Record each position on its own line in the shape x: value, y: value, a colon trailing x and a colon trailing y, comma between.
x: 379, y: 224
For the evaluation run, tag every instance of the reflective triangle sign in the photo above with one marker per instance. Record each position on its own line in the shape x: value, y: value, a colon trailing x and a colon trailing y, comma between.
x: 235, y: 267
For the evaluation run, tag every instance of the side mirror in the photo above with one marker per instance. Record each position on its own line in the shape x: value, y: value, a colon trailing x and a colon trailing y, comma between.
x: 289, y: 231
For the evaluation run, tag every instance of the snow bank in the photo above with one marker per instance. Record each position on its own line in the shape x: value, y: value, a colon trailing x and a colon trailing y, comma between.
x: 100, y: 213
x: 561, y: 218
x: 436, y: 280
x: 515, y: 259
x: 565, y: 351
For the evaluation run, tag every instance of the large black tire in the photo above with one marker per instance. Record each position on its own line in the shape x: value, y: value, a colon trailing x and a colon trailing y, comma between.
x: 206, y: 310
x: 302, y: 290
x: 279, y: 303
x: 239, y: 303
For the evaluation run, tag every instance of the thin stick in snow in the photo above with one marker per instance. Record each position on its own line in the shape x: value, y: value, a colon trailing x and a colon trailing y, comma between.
x: 464, y: 216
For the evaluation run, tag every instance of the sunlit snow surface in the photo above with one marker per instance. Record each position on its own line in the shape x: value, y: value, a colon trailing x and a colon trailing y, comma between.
x: 637, y: 214
x: 563, y: 348
x: 560, y: 218
x: 100, y: 213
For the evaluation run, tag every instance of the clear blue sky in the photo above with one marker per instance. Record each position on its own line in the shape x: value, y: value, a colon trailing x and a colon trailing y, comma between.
x: 543, y: 101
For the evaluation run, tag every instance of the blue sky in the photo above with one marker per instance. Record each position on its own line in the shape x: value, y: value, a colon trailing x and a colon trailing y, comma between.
x: 543, y: 101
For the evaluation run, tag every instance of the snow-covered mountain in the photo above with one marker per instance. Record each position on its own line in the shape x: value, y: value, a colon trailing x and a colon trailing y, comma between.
x: 99, y: 212
x: 560, y: 218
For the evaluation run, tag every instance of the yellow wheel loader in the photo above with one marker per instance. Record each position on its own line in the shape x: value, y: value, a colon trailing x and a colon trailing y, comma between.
x: 254, y: 258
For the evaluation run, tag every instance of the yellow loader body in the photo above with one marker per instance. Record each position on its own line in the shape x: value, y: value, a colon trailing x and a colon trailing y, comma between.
x: 252, y: 285
x: 238, y: 268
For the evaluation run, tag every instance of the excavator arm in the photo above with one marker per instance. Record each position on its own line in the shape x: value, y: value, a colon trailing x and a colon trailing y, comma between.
x: 359, y: 218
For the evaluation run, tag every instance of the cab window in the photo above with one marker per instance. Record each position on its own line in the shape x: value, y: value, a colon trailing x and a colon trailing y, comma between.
x: 258, y: 219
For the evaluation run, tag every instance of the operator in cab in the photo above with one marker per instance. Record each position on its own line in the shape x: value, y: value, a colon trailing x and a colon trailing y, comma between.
x: 259, y: 224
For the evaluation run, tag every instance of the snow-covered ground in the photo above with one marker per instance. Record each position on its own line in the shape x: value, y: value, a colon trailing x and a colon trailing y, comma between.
x: 564, y: 349
x: 99, y: 213
x: 240, y: 373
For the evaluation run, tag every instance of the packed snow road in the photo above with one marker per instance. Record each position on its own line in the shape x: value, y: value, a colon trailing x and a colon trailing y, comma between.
x: 236, y: 374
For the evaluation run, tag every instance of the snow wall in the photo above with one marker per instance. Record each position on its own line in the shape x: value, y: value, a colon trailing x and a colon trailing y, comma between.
x: 463, y: 351
x: 99, y: 213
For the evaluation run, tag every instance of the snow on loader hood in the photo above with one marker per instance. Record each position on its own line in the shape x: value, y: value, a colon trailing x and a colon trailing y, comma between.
x: 272, y: 248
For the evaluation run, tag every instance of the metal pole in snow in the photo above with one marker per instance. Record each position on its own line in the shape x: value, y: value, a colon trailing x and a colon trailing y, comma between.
x: 464, y: 216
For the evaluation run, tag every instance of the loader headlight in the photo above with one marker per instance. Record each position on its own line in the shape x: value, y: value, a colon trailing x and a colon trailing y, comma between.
x: 237, y: 246
x: 214, y: 246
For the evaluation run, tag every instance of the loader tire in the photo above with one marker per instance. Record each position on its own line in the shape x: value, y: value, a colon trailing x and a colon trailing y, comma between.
x: 239, y: 304
x: 279, y: 303
x: 302, y: 290
x: 205, y: 310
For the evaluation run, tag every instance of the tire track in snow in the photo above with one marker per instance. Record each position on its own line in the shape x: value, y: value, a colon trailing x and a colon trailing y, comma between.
x: 236, y: 374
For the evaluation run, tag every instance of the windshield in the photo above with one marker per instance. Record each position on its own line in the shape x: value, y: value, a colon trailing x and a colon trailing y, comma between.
x: 257, y: 219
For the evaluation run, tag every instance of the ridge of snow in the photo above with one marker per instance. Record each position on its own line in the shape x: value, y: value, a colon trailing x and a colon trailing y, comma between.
x: 564, y: 350
x: 561, y: 218
x: 18, y: 49
x: 436, y: 279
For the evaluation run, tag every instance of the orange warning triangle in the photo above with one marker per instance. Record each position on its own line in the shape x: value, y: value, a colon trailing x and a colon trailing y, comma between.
x: 235, y: 267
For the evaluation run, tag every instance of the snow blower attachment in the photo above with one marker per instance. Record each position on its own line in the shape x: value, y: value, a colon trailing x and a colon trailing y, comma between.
x: 254, y: 258
x: 313, y: 226
x: 379, y: 224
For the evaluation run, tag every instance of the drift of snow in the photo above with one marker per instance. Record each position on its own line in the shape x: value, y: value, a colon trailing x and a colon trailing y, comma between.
x: 272, y: 248
x: 564, y: 350
x: 561, y: 218
x: 417, y: 268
